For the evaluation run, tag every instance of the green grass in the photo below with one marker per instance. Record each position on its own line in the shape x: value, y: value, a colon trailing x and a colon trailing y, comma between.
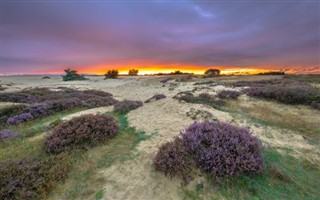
x: 24, y: 146
x: 302, y: 180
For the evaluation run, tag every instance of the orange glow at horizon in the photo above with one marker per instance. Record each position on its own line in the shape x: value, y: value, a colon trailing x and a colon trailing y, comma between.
x: 123, y: 70
x: 154, y: 69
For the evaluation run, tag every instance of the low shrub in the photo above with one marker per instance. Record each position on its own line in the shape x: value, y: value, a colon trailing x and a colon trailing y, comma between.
x: 221, y: 149
x: 64, y: 104
x: 97, y: 93
x: 156, y: 97
x: 13, y: 110
x: 173, y: 159
x: 39, y: 95
x: 228, y: 94
x: 126, y: 106
x: 206, y: 97
x: 39, y: 109
x: 72, y: 75
x: 111, y: 74
x: 288, y: 94
x: 81, y: 132
x: 31, y: 178
x: 99, y: 101
x: 7, y: 134
x: 203, y: 98
x: 20, y: 118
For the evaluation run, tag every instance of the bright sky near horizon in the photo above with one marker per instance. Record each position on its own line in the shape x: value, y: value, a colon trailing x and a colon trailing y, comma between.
x: 46, y: 36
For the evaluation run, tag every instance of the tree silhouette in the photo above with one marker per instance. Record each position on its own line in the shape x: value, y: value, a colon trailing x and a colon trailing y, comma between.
x: 72, y: 75
x: 212, y: 72
x: 113, y: 73
x: 133, y: 72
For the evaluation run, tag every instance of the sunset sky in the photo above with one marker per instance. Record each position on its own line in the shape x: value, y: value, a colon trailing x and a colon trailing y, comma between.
x: 40, y: 37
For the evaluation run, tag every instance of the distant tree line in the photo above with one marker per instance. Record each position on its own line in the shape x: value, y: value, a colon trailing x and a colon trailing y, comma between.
x: 71, y: 75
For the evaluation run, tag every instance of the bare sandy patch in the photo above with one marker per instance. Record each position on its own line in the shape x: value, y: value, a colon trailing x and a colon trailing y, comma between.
x: 94, y: 111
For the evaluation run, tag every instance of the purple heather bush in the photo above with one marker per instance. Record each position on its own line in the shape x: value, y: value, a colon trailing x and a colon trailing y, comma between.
x: 64, y: 104
x: 31, y: 178
x: 39, y: 109
x: 221, y: 149
x: 81, y: 132
x: 13, y: 110
x: 97, y: 93
x: 288, y: 94
x: 20, y: 118
x: 38, y: 95
x: 156, y: 97
x: 173, y: 159
x: 126, y: 106
x: 7, y: 134
x: 99, y: 101
x: 228, y: 94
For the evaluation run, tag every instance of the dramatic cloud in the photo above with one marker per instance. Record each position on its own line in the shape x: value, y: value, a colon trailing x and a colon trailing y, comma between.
x: 40, y: 37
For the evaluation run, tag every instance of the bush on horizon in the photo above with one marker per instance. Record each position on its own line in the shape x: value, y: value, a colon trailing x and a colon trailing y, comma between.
x: 72, y: 75
x: 81, y: 133
x: 133, y: 72
x: 211, y: 73
x: 126, y: 105
x: 113, y: 73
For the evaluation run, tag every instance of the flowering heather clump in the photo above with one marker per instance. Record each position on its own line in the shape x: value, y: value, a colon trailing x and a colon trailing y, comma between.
x: 126, y: 106
x: 99, y: 101
x: 39, y: 109
x: 186, y: 96
x: 228, y: 94
x: 222, y: 149
x: 7, y: 134
x: 17, y: 119
x: 173, y: 159
x: 6, y: 112
x: 81, y: 132
x: 289, y: 94
x: 156, y: 97
x: 39, y: 95
x: 97, y: 93
x: 31, y: 178
x: 64, y: 104
x: 206, y: 97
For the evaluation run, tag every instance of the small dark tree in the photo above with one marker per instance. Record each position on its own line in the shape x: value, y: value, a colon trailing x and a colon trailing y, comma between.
x: 133, y: 72
x: 72, y: 75
x: 113, y: 73
x: 212, y: 72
